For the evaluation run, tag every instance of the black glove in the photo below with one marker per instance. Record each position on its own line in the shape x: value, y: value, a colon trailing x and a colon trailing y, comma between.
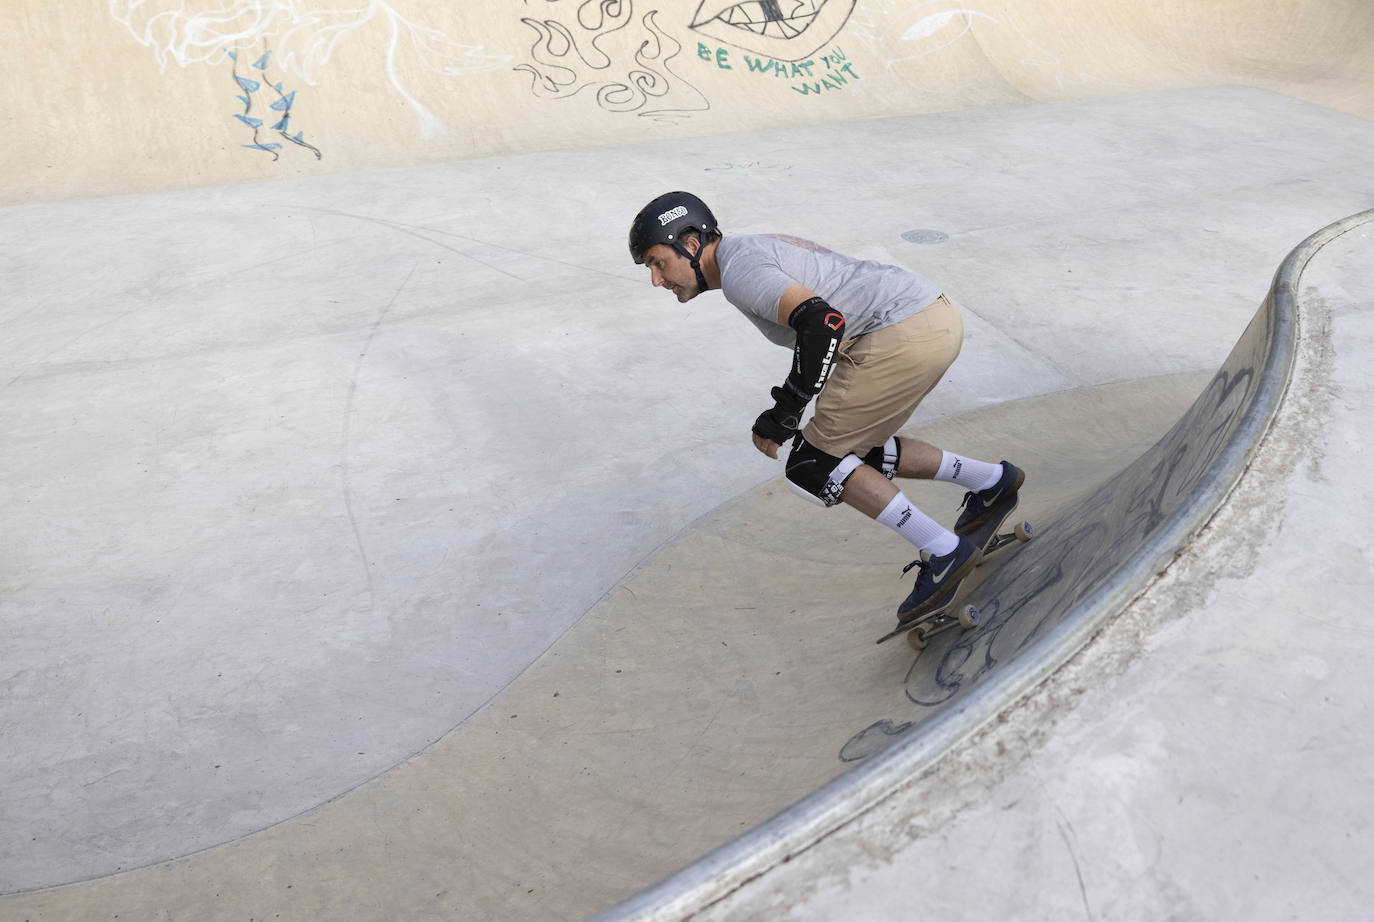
x: 781, y: 422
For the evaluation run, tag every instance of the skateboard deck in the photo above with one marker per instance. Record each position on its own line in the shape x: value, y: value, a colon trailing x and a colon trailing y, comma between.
x: 947, y: 613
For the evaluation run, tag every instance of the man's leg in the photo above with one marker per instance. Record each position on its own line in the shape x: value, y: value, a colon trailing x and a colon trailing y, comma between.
x: 918, y: 459
x: 849, y: 480
x: 992, y: 488
x: 924, y: 461
x: 868, y: 491
x: 951, y: 557
x: 875, y: 496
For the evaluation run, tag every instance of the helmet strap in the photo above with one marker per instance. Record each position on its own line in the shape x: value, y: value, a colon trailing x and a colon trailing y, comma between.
x: 696, y: 263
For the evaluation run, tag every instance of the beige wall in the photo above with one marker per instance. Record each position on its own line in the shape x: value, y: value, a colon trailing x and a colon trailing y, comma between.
x: 133, y: 95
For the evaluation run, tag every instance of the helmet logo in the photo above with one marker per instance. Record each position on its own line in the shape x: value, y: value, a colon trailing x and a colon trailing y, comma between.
x: 672, y: 215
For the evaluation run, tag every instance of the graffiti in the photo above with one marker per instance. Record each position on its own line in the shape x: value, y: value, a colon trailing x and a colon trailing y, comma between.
x: 590, y: 52
x: 1077, y: 554
x: 282, y: 105
x: 1080, y: 552
x: 876, y: 738
x: 838, y: 72
x: 588, y: 48
x: 304, y: 34
x: 918, y: 33
x: 809, y: 77
x: 913, y: 29
x: 784, y: 30
x: 749, y: 166
x: 898, y: 31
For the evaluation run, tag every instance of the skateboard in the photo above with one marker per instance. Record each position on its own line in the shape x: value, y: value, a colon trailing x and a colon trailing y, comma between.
x: 946, y: 614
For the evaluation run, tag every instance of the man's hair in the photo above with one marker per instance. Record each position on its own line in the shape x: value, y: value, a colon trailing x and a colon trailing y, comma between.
x: 710, y: 236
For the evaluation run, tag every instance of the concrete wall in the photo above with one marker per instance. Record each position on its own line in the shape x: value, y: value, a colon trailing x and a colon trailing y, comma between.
x: 135, y: 95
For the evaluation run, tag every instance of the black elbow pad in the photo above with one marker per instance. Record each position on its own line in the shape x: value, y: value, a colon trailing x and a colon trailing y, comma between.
x: 820, y: 330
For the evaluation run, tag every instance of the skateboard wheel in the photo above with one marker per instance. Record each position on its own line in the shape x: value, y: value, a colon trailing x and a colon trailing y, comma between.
x: 1024, y: 532
x: 916, y: 638
x: 969, y: 617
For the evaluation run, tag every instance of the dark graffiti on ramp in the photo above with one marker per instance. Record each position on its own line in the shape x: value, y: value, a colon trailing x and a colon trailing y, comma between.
x: 1077, y: 552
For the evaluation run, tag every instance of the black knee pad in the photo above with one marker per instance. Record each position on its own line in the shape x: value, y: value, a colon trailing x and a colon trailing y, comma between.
x: 817, y: 473
x: 885, y: 457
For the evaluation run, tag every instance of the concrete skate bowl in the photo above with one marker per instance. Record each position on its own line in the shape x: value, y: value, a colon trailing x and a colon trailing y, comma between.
x: 1089, y: 559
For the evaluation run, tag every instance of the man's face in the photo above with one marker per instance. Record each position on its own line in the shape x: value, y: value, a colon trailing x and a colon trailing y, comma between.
x: 671, y: 270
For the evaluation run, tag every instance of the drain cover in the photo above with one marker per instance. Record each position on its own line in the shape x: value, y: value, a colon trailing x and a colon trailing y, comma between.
x: 925, y: 236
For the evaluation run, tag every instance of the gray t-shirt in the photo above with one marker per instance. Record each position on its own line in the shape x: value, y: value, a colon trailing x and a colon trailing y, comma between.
x: 755, y: 270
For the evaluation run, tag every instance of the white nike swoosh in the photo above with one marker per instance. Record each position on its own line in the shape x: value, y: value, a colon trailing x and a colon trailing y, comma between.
x: 940, y: 578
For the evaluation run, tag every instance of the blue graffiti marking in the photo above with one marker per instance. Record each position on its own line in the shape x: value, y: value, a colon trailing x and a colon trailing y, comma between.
x: 284, y: 103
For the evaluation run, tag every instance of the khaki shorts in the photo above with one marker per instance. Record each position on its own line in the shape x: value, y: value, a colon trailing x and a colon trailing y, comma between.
x: 881, y: 377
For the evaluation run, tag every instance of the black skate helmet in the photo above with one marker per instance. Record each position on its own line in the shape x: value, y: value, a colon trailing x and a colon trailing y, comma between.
x: 665, y: 220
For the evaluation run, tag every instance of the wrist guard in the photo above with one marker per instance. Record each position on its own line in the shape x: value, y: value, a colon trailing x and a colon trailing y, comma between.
x: 781, y: 423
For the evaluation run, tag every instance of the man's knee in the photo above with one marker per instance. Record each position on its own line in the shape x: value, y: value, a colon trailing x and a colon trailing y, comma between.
x: 818, y: 474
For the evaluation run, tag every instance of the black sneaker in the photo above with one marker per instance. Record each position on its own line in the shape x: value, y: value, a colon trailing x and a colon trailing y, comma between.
x: 938, y: 579
x: 998, y: 499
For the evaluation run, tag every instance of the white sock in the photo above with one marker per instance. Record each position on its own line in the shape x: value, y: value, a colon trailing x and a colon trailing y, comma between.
x: 969, y: 473
x: 917, y: 527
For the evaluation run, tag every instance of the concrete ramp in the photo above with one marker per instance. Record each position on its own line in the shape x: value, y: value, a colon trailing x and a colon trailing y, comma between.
x: 139, y: 95
x: 734, y: 672
x: 1201, y: 757
x: 728, y: 689
x: 365, y: 556
x: 1094, y: 555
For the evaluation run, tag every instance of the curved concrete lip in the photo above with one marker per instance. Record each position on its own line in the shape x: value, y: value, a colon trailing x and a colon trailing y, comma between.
x: 1171, y: 492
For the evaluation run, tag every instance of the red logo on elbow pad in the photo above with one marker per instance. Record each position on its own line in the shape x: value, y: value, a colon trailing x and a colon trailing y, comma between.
x: 834, y: 321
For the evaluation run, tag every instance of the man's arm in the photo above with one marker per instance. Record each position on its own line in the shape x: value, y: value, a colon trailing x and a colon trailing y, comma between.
x: 820, y: 330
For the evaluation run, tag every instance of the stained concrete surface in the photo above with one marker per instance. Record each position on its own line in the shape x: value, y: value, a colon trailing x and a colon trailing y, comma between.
x: 306, y: 477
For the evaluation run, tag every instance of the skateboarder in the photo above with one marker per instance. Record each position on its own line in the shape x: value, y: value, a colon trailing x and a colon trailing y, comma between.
x: 868, y: 342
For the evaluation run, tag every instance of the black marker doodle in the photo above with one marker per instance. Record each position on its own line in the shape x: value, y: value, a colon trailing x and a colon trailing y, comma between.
x: 786, y: 30
x: 1074, y: 556
x: 876, y: 738
x: 627, y: 68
